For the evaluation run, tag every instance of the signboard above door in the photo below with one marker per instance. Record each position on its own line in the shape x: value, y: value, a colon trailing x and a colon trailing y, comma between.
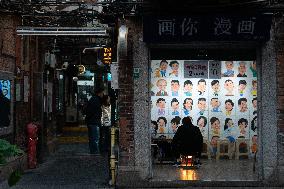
x: 182, y: 29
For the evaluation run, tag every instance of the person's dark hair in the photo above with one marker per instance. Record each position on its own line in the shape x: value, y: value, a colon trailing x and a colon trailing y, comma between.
x: 213, y: 119
x: 187, y: 82
x: 163, y: 118
x: 230, y: 101
x: 201, y: 80
x: 204, y: 118
x: 215, y: 136
x: 242, y: 99
x: 242, y: 82
x: 160, y: 99
x: 184, y: 102
x: 243, y: 120
x: 226, y: 122
x: 162, y: 137
x: 176, y: 120
x: 99, y: 90
x: 156, y: 125
x: 214, y: 98
x: 163, y: 61
x: 202, y: 99
x: 254, y: 99
x: 105, y: 100
x: 253, y: 125
x: 228, y: 80
x: 174, y: 100
x: 253, y: 82
x: 175, y: 81
x: 173, y: 62
x: 214, y: 82
x: 186, y: 121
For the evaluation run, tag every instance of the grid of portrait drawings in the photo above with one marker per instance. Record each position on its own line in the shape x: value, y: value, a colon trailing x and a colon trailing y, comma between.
x: 219, y: 96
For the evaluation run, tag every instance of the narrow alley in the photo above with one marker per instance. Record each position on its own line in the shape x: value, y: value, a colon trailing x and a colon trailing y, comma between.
x: 71, y: 167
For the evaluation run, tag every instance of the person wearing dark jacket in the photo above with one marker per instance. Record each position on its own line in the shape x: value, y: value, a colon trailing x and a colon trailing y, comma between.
x: 188, y: 140
x: 93, y: 120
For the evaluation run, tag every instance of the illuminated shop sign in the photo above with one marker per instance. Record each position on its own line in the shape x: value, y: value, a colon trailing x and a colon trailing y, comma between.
x: 218, y: 27
x: 107, y: 53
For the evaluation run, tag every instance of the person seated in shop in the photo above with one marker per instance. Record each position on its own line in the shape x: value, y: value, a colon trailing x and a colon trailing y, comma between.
x: 188, y: 140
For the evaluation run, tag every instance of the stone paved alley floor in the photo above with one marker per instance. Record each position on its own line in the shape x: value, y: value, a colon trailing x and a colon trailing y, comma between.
x: 71, y: 168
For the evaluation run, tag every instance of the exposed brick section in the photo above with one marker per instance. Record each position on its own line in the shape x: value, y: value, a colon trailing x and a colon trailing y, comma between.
x: 7, y: 42
x: 125, y: 106
x: 10, y: 58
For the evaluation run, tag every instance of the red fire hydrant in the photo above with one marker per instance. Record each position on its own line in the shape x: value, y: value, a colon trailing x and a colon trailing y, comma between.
x: 32, y: 143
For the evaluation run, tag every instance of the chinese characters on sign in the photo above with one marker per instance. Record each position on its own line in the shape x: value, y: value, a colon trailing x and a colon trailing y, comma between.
x: 222, y: 26
x: 189, y: 28
x: 199, y: 69
x: 196, y: 69
x: 167, y: 27
x: 107, y: 52
x: 215, y: 70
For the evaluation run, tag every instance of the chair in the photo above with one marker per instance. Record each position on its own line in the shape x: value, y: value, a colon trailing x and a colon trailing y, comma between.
x: 245, y: 147
x: 224, y: 148
x: 206, y: 149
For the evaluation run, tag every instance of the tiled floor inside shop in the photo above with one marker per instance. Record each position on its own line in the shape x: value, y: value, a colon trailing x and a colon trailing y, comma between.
x: 210, y: 170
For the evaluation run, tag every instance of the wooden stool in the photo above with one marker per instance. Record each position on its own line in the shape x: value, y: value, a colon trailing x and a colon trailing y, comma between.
x: 240, y: 141
x: 224, y: 143
x: 206, y: 149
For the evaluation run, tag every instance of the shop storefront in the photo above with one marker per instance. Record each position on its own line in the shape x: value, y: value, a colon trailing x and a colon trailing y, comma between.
x: 221, y: 79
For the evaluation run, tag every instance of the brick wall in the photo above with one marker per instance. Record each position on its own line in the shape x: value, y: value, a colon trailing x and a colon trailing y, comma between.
x: 125, y: 106
x: 10, y: 60
x: 7, y: 58
x: 7, y: 43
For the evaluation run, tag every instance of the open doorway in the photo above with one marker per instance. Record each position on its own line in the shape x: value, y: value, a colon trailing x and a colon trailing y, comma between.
x: 220, y: 96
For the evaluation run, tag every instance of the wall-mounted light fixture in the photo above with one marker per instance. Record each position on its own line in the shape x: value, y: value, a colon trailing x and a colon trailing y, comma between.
x: 122, y: 40
x: 122, y: 31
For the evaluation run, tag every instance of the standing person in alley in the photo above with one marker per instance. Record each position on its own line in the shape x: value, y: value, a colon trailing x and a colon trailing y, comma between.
x: 93, y: 120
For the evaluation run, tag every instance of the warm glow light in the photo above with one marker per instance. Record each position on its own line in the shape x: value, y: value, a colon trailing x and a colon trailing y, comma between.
x: 188, y: 174
x: 107, y: 53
